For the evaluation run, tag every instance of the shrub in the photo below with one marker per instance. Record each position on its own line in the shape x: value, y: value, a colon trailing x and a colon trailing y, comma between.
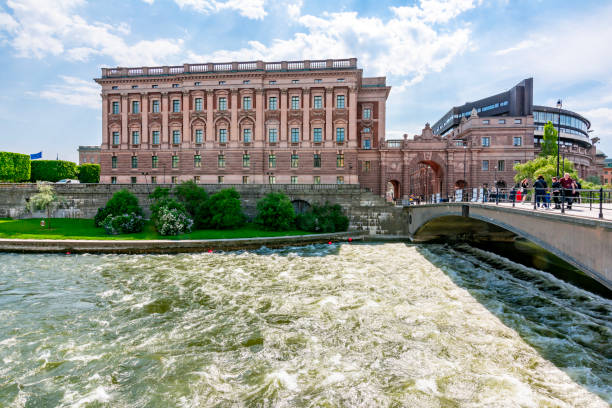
x: 53, y: 170
x: 89, y: 173
x: 122, y: 202
x: 173, y: 221
x: 123, y: 224
x: 195, y: 199
x: 14, y: 167
x: 275, y: 212
x: 225, y: 210
x: 325, y: 218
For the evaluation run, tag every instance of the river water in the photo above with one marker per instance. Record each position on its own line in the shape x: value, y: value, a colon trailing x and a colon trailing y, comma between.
x: 364, y: 325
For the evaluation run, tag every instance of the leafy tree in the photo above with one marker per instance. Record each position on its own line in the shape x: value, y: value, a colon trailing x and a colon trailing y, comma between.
x: 89, y: 173
x: 593, y: 180
x: 546, y: 166
x: 14, y: 167
x: 46, y: 199
x: 195, y: 199
x: 275, y: 212
x: 324, y: 218
x: 549, y: 145
x: 225, y: 209
x: 53, y: 170
x: 122, y: 202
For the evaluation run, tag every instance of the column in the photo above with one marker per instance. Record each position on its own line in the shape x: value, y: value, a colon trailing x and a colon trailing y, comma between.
x: 144, y: 114
x: 283, y: 115
x: 259, y: 115
x: 124, y: 121
x: 351, y: 137
x: 234, y: 115
x: 381, y: 120
x: 329, y: 106
x: 105, y: 136
x: 164, y: 129
x: 186, y: 135
x: 210, y: 127
x: 306, y: 114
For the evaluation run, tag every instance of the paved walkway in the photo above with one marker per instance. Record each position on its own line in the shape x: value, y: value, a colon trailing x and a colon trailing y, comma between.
x: 578, y: 210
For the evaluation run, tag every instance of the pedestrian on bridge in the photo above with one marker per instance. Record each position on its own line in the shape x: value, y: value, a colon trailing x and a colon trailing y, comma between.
x: 540, y: 186
x: 569, y: 189
x: 556, y: 190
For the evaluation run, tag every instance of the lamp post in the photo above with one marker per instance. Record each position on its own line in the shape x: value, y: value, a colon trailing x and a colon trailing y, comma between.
x: 464, y: 164
x: 559, y: 104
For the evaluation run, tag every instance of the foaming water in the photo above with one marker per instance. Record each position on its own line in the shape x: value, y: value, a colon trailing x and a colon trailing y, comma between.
x: 324, y: 325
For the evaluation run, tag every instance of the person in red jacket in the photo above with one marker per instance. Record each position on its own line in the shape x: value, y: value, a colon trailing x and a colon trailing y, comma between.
x: 569, y: 188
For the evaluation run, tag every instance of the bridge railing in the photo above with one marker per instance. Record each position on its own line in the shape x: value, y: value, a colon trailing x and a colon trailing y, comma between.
x: 593, y: 203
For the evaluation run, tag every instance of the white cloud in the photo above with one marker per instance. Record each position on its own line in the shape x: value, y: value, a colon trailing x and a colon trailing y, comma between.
x: 525, y: 44
x: 253, y: 9
x: 295, y: 9
x: 73, y: 91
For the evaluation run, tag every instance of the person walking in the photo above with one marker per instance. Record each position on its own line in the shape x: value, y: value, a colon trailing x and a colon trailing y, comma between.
x: 524, y: 188
x: 556, y: 190
x: 569, y: 188
x: 577, y: 192
x: 540, y: 186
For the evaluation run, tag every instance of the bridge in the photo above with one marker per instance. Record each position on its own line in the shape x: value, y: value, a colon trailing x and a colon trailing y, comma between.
x: 583, y: 242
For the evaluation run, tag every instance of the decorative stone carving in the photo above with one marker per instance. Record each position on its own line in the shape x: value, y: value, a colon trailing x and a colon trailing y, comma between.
x: 175, y: 116
x: 317, y: 114
x: 198, y: 115
x: 133, y: 118
x: 340, y: 114
x: 222, y: 115
x: 294, y: 115
x: 114, y: 118
x: 274, y: 114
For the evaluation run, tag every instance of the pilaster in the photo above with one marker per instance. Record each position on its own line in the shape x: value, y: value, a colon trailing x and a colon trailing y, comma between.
x: 306, y: 114
x: 186, y: 133
x: 144, y: 116
x: 233, y: 134
x: 164, y: 140
x: 259, y: 116
x: 351, y: 137
x: 105, y: 136
x: 329, y: 108
x: 210, y: 126
x: 283, y: 115
x: 124, y: 121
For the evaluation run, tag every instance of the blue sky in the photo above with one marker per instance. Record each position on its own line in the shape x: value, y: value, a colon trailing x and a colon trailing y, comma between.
x: 435, y: 54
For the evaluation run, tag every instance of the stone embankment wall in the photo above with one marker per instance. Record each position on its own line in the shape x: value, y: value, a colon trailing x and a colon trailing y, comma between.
x: 365, y: 210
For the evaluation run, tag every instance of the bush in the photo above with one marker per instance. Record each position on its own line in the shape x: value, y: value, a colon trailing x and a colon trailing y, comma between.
x: 195, y: 199
x: 53, y: 170
x: 89, y: 173
x: 275, y: 212
x: 225, y: 210
x: 122, y: 202
x: 123, y: 224
x: 173, y: 221
x: 325, y: 218
x: 14, y: 167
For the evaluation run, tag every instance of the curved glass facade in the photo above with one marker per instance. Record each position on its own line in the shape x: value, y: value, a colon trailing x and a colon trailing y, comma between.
x: 540, y: 117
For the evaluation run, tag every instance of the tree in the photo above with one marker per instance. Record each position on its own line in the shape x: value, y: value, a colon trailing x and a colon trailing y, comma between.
x: 14, y: 167
x: 53, y: 170
x: 195, y: 199
x: 46, y: 199
x: 546, y: 166
x: 549, y: 141
x: 89, y: 173
x: 275, y: 212
x: 225, y: 209
x: 122, y: 202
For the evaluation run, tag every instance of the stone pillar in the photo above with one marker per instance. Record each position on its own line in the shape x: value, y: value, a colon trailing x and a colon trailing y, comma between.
x: 144, y: 115
x: 164, y: 136
x: 186, y: 135
x: 210, y: 127
x: 329, y: 108
x: 259, y: 115
x: 233, y: 134
x: 381, y: 120
x: 105, y: 136
x: 283, y: 115
x: 351, y: 137
x: 124, y: 121
x: 306, y: 114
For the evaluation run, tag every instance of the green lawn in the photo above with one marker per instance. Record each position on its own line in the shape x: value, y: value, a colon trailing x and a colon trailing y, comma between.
x: 64, y: 228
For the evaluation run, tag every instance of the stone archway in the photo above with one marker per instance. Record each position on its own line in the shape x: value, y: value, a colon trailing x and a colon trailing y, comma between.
x: 426, y: 178
x: 300, y: 206
x: 393, y: 190
x: 460, y: 184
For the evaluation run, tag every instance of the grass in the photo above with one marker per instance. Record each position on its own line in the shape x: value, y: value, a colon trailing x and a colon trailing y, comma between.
x: 71, y: 228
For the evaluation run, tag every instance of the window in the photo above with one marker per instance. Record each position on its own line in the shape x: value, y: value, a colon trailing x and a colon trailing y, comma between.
x: 501, y: 165
x: 501, y: 121
x: 199, y: 135
x: 175, y: 162
x: 219, y: 179
x: 367, y: 113
x: 272, y: 82
x: 316, y: 180
x: 295, y: 81
x: 134, y: 162
x: 246, y: 135
x: 155, y: 106
x: 295, y: 102
x: 246, y: 160
x: 246, y: 81
x: 367, y: 166
x: 174, y: 179
x: 517, y: 141
x: 154, y: 162
x: 340, y: 79
x: 175, y: 85
x: 317, y: 135
x: 222, y: 135
x: 176, y: 105
x: 114, y: 162
x: 317, y: 81
x: 294, y: 179
x: 115, y: 87
x: 221, y: 82
x: 176, y: 136
x: 317, y: 160
x: 340, y: 180
x: 245, y: 179
x: 485, y: 165
x: 198, y: 104
x: 197, y: 160
x: 134, y: 86
x: 155, y: 137
x: 272, y: 161
x: 246, y: 103
x: 272, y: 179
x: 340, y: 101
x: 113, y: 180
x: 485, y: 121
x: 115, y: 138
x: 133, y: 180
x: 295, y: 159
x: 135, y: 137
x: 196, y: 179
x: 153, y: 179
x: 486, y: 141
x: 295, y: 135
x: 197, y: 83
x: 517, y: 162
x: 367, y: 144
x: 272, y: 103
x: 517, y: 121
x: 339, y: 135
x: 272, y: 135
x: 221, y: 161
x: 154, y: 86
x: 340, y: 160
x: 318, y: 102
x: 366, y: 130
x: 222, y: 103
x: 115, y: 109
x: 135, y: 107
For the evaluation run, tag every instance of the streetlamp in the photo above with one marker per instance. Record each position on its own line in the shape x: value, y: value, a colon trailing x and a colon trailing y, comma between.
x: 464, y: 165
x: 559, y: 104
